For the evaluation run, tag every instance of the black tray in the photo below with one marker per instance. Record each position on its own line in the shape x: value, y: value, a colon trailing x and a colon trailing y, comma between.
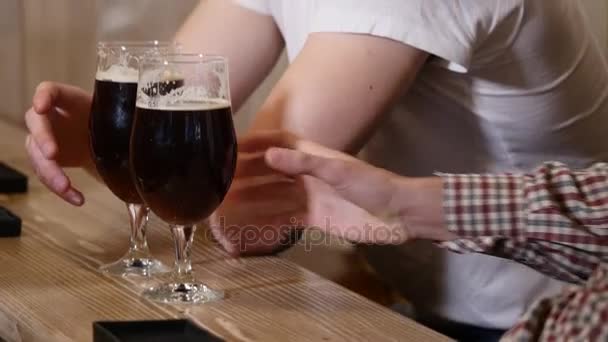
x: 11, y: 180
x: 10, y: 224
x: 151, y: 331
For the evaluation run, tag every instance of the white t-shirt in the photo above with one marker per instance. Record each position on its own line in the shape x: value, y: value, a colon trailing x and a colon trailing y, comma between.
x: 511, y: 83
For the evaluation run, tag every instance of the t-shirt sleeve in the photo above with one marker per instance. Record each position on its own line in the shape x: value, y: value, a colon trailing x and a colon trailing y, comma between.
x: 448, y: 30
x: 260, y: 6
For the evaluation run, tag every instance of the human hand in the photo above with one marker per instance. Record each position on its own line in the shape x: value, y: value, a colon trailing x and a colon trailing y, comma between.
x: 261, y: 214
x: 277, y: 191
x: 359, y: 200
x: 59, y: 136
x: 378, y: 207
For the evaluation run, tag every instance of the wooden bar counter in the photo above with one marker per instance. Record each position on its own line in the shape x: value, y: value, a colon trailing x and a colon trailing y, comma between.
x: 50, y: 286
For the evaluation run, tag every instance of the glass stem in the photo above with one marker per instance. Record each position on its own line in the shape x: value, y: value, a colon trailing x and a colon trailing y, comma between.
x: 183, y: 237
x: 138, y: 217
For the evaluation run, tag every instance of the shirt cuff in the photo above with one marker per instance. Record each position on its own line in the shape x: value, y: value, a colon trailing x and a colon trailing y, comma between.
x: 484, y: 206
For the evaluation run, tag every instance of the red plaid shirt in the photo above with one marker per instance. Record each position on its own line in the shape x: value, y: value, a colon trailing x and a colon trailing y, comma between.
x: 554, y: 220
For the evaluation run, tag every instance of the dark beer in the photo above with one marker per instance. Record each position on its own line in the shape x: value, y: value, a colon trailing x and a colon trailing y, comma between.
x: 111, y: 123
x: 183, y: 158
x: 110, y: 127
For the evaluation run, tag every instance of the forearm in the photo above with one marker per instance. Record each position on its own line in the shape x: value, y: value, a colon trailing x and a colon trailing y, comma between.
x: 290, y: 109
x: 554, y: 220
x: 338, y: 87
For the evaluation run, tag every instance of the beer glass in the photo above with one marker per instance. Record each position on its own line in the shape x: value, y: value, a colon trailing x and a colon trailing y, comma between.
x: 183, y: 155
x: 110, y: 126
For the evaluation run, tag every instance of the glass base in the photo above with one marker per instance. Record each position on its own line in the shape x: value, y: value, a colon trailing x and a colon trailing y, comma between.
x: 131, y: 265
x: 183, y: 293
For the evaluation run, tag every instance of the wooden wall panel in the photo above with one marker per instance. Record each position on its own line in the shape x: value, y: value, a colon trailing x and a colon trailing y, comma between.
x: 11, y: 59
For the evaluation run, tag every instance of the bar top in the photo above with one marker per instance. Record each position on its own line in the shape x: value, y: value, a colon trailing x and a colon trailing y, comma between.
x: 50, y: 286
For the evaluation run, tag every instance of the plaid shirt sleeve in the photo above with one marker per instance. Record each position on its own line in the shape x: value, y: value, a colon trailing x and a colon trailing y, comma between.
x: 554, y: 220
x: 580, y: 313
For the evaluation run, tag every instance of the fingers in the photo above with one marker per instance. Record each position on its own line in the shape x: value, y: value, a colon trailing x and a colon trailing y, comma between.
x: 257, y: 215
x: 51, y: 175
x: 359, y: 183
x: 51, y: 100
x: 43, y: 97
x: 69, y: 98
x: 253, y: 165
x: 41, y: 132
x: 334, y: 172
x: 262, y: 140
x: 268, y: 196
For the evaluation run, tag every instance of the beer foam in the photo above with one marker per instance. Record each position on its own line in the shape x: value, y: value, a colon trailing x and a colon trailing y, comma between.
x: 118, y: 73
x: 202, y: 105
x: 169, y: 75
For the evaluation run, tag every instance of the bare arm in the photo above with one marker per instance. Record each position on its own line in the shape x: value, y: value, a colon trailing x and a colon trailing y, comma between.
x: 251, y: 42
x: 333, y: 93
x: 553, y: 219
x: 338, y: 86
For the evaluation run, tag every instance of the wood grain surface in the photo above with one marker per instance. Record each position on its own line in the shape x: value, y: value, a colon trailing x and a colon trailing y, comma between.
x: 50, y: 286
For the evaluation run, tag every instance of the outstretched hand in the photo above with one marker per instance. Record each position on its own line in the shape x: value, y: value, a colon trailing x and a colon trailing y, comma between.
x: 59, y: 136
x: 387, y: 208
x: 300, y: 184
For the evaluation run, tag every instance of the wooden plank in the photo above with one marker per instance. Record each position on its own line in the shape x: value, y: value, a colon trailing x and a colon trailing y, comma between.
x: 50, y: 285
